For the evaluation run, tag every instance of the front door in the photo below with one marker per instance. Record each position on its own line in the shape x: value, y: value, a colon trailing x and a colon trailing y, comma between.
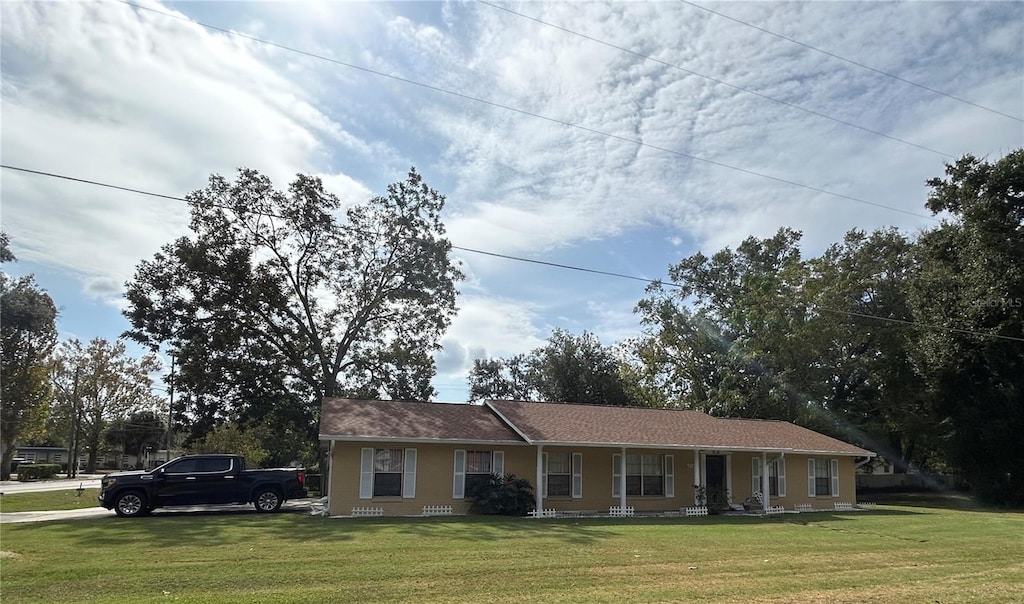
x: 714, y: 467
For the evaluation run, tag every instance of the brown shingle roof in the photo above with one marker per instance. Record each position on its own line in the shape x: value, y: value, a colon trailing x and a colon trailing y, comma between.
x: 570, y: 424
x: 631, y: 426
x: 351, y: 419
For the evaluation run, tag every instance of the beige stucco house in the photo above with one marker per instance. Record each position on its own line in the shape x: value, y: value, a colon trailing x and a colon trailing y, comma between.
x: 398, y: 457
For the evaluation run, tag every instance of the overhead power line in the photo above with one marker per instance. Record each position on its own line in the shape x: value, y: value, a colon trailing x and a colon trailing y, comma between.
x: 852, y: 62
x: 520, y: 259
x: 456, y: 247
x: 532, y: 114
x: 717, y: 80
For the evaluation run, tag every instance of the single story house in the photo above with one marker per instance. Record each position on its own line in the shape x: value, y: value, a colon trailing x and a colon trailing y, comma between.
x: 401, y: 456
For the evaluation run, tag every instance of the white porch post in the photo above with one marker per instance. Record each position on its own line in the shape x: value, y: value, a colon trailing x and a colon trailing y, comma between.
x: 728, y: 478
x: 539, y: 493
x: 622, y: 480
x: 764, y: 481
x: 696, y: 477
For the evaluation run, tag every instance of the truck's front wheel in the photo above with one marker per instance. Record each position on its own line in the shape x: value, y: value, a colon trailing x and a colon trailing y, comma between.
x: 130, y: 504
x: 267, y: 500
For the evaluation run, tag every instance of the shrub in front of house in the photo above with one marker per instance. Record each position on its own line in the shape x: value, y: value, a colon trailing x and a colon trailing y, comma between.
x: 504, y: 495
x: 35, y: 471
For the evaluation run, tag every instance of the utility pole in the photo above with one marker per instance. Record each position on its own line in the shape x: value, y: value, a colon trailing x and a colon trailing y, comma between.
x: 73, y: 440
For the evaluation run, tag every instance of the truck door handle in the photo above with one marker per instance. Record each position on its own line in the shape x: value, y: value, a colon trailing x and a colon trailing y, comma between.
x: 190, y: 478
x: 228, y: 477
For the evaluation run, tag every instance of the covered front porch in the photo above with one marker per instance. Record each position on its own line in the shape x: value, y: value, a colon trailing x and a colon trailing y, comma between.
x: 647, y: 480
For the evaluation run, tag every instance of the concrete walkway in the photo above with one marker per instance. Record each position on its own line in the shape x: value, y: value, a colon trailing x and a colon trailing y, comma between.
x: 15, y: 517
x: 86, y: 481
x: 296, y: 506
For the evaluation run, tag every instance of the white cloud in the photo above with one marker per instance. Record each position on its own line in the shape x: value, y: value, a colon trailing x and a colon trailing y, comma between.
x: 487, y: 327
x: 144, y: 101
x: 101, y: 91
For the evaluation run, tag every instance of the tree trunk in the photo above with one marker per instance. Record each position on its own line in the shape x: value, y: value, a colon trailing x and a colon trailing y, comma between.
x: 5, y: 460
x: 94, y: 445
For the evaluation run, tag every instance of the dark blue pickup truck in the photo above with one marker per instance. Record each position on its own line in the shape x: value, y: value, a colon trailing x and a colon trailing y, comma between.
x: 200, y: 480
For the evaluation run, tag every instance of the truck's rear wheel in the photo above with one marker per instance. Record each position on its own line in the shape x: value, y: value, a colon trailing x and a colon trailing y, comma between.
x: 267, y: 500
x: 130, y: 504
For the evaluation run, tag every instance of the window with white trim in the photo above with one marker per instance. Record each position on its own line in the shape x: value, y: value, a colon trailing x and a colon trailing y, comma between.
x: 478, y: 470
x: 822, y: 477
x: 387, y: 473
x: 559, y: 474
x: 646, y: 475
x: 776, y: 477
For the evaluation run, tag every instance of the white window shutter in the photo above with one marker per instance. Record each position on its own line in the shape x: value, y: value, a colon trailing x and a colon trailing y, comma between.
x: 781, y: 472
x: 616, y: 474
x: 577, y: 475
x: 459, y: 482
x: 670, y: 476
x: 810, y: 477
x: 366, y: 474
x: 755, y: 475
x: 544, y: 477
x: 498, y: 463
x: 409, y: 482
x: 835, y: 477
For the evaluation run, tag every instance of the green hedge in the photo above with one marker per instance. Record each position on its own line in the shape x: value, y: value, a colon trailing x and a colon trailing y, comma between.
x: 35, y: 471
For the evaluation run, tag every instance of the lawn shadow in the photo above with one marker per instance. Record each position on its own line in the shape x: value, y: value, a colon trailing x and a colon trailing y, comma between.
x: 944, y: 500
x: 180, y: 526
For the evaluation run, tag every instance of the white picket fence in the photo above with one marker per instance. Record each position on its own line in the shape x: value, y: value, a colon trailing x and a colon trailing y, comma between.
x: 542, y: 513
x: 775, y: 509
x: 620, y: 512
x: 867, y: 505
x: 437, y: 510
x: 843, y: 506
x: 700, y: 510
x: 367, y: 511
x: 803, y: 507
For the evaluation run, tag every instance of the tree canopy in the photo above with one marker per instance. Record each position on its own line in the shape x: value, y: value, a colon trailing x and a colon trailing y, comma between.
x: 28, y: 334
x: 274, y: 300
x: 908, y: 346
x: 972, y: 280
x: 97, y: 384
x: 568, y: 368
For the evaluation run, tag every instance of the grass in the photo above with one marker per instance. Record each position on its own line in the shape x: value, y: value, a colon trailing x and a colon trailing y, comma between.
x: 67, y: 499
x: 906, y: 553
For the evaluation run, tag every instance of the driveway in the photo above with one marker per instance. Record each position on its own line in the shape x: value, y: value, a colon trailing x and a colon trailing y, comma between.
x: 296, y: 506
x: 87, y: 481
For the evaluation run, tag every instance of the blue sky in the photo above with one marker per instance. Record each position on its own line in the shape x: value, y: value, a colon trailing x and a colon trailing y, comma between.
x: 105, y: 91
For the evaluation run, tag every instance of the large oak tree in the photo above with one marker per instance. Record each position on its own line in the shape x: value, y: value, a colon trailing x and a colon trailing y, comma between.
x: 972, y: 280
x: 278, y: 298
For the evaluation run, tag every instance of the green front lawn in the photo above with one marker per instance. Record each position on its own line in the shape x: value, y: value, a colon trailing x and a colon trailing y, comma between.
x: 894, y: 554
x: 66, y: 499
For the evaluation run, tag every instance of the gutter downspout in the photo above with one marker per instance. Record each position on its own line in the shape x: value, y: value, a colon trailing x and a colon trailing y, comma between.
x: 327, y: 492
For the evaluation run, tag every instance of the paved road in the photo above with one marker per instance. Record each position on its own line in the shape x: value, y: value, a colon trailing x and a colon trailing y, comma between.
x: 297, y: 506
x: 88, y: 481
